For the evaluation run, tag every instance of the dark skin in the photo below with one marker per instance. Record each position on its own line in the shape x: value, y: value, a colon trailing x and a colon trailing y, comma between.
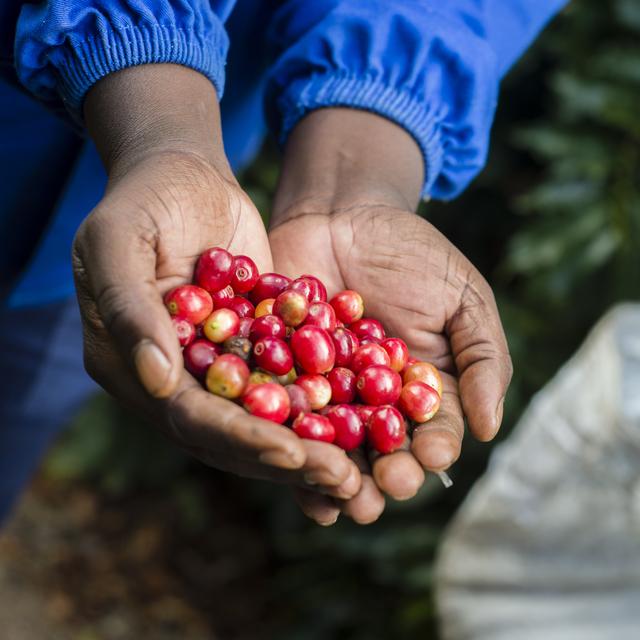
x: 349, y: 185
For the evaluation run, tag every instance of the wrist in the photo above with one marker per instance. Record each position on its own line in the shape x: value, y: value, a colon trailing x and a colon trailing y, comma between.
x: 339, y: 158
x: 154, y: 109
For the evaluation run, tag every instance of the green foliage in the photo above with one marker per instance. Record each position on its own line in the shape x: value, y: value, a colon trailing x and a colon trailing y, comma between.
x: 554, y: 224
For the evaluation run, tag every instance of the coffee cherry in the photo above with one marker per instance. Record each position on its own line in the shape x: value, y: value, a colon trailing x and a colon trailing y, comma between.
x: 240, y: 347
x: 221, y: 324
x: 258, y: 376
x: 185, y: 331
x: 398, y: 353
x: 242, y: 307
x: 313, y: 349
x: 345, y: 344
x: 199, y: 356
x: 273, y: 355
x: 350, y: 431
x: 244, y: 329
x: 425, y: 372
x: 227, y: 376
x: 321, y: 315
x: 292, y: 307
x: 370, y: 340
x: 368, y: 327
x: 378, y: 385
x: 299, y: 401
x: 318, y: 291
x: 386, y: 429
x: 367, y: 355
x: 365, y: 412
x: 189, y: 302
x: 264, y: 308
x: 343, y: 385
x: 245, y: 274
x: 317, y: 388
x: 312, y: 426
x: 268, y: 325
x: 269, y: 401
x: 222, y: 299
x: 214, y: 269
x: 348, y: 306
x: 418, y: 401
x: 289, y: 377
x: 269, y: 285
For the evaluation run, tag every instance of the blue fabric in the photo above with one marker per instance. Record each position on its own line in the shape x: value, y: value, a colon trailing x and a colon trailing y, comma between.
x: 47, y: 386
x: 431, y: 66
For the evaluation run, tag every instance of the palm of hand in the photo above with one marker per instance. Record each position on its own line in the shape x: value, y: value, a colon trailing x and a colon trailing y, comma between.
x: 423, y: 290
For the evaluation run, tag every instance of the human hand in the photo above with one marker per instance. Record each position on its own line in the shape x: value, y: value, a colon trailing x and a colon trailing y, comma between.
x: 361, y: 234
x: 171, y: 195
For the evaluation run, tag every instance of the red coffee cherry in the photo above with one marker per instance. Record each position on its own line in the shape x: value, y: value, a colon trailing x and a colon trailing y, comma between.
x: 318, y: 292
x: 214, y: 269
x: 418, y: 401
x: 299, y: 401
x: 348, y: 306
x: 368, y: 327
x: 185, y: 331
x: 268, y: 325
x: 398, y: 352
x: 345, y: 343
x: 317, y: 388
x: 367, y: 355
x: 378, y: 385
x: 242, y: 307
x: 227, y: 376
x: 365, y: 412
x: 350, y: 431
x: 269, y: 285
x: 386, y: 429
x: 343, y: 385
x: 189, y: 302
x: 292, y: 307
x: 244, y: 328
x: 245, y: 274
x: 321, y: 315
x: 313, y: 349
x: 312, y: 426
x: 221, y: 324
x: 425, y: 372
x: 269, y: 401
x: 273, y: 355
x: 199, y: 356
x: 222, y: 299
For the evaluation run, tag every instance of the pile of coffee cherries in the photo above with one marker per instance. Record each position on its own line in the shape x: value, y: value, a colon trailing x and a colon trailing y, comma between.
x: 277, y: 346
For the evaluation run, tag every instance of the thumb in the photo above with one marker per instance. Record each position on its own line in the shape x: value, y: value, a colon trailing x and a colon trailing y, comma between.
x: 482, y: 359
x: 116, y: 267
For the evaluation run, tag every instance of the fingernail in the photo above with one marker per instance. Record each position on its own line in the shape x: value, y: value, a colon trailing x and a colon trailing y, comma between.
x: 153, y: 367
x: 328, y: 523
x: 309, y: 479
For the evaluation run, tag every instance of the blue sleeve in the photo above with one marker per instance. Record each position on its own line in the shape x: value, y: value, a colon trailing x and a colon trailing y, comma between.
x: 433, y: 67
x: 63, y: 47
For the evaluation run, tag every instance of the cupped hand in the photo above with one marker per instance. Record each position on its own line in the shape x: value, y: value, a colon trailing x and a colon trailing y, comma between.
x: 425, y: 291
x: 141, y: 240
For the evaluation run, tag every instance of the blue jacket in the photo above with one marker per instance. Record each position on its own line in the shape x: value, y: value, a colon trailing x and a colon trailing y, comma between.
x: 432, y: 66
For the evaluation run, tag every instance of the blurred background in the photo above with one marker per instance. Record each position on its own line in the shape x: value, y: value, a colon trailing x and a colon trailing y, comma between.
x: 120, y: 536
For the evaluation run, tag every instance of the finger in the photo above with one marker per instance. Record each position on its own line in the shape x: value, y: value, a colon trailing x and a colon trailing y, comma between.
x: 329, y: 470
x: 117, y: 268
x: 436, y: 444
x: 368, y: 504
x: 321, y: 509
x: 482, y: 358
x: 398, y: 474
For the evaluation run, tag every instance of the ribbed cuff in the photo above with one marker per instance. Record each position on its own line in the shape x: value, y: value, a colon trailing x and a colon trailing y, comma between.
x: 417, y: 117
x: 81, y: 64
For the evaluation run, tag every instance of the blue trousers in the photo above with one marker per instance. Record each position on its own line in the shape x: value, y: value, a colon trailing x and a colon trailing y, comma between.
x: 43, y: 386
